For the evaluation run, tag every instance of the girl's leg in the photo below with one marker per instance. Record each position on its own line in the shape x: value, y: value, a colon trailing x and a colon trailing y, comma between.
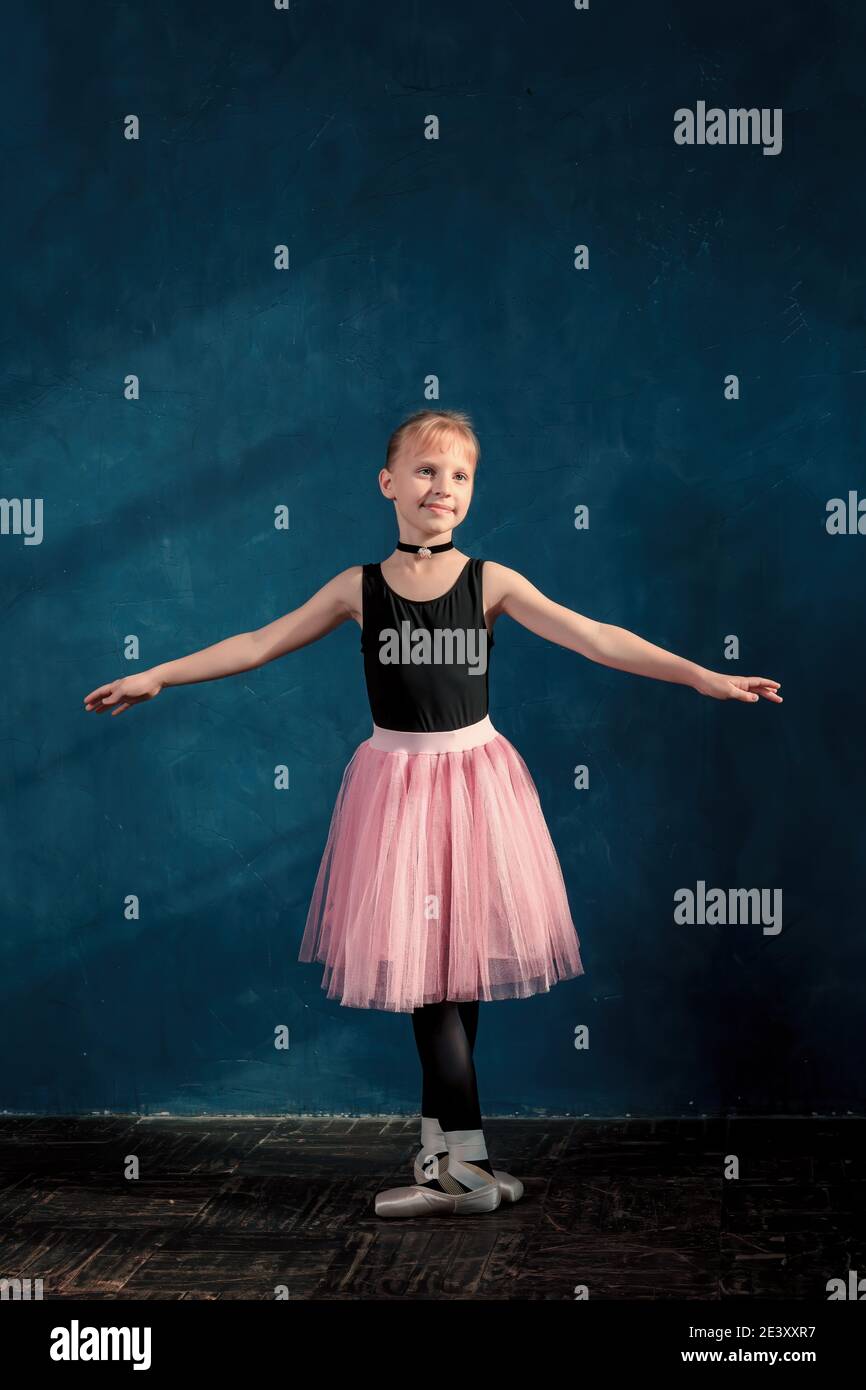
x: 469, y: 1015
x: 450, y: 1087
x: 468, y: 1010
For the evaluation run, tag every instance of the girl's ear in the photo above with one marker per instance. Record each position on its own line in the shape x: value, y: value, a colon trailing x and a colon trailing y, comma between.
x: 386, y: 484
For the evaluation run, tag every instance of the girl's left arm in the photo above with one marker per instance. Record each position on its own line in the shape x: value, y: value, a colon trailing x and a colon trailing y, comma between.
x: 507, y: 591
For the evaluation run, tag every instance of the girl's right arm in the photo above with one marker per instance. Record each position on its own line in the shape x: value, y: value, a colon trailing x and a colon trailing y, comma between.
x: 332, y: 605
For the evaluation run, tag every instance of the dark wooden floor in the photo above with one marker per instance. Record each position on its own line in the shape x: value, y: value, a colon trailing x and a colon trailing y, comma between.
x: 232, y: 1208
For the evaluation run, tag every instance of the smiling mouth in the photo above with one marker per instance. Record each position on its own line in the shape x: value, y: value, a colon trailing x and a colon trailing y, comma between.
x: 437, y: 507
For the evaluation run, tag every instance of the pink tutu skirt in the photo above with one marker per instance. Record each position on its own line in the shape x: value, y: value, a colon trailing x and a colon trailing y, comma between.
x: 439, y: 879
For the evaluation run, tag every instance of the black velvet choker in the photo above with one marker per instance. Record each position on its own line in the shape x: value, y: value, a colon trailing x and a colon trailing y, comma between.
x: 424, y: 550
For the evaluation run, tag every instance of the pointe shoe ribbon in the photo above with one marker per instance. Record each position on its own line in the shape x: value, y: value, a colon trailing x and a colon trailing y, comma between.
x: 510, y: 1188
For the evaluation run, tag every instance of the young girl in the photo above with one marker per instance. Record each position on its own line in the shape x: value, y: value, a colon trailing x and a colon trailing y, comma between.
x: 439, y: 885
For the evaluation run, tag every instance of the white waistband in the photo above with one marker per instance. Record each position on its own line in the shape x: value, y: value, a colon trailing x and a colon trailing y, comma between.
x: 441, y: 741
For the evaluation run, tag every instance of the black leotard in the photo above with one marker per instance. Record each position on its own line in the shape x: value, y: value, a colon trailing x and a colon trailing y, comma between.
x: 427, y: 694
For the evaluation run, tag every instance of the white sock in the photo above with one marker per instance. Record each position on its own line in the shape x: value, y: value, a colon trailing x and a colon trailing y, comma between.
x: 466, y: 1147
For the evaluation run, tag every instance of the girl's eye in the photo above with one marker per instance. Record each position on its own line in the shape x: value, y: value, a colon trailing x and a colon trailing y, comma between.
x: 428, y: 468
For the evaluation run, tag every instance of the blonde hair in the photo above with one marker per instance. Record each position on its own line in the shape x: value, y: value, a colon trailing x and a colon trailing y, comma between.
x: 433, y: 426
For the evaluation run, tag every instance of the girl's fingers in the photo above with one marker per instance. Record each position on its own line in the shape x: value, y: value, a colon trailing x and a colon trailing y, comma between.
x: 755, y: 687
x: 762, y: 686
x: 102, y: 692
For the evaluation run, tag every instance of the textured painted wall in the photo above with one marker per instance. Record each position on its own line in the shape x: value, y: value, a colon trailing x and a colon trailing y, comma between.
x: 604, y: 386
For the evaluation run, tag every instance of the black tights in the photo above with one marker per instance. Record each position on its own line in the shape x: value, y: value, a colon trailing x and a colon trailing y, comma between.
x: 445, y: 1038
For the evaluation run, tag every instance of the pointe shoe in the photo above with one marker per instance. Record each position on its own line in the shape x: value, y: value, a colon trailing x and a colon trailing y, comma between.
x: 510, y: 1187
x: 429, y: 1201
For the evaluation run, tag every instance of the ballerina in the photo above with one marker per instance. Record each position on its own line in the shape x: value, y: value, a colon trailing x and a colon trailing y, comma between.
x: 439, y: 885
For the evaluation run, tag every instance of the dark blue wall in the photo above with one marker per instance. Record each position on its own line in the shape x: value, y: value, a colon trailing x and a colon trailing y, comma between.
x: 260, y: 388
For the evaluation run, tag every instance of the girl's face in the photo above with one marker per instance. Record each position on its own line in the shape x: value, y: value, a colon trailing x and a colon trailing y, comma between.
x: 432, y: 487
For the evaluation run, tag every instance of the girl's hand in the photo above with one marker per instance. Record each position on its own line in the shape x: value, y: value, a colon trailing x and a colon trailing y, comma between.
x: 124, y: 693
x: 723, y: 687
